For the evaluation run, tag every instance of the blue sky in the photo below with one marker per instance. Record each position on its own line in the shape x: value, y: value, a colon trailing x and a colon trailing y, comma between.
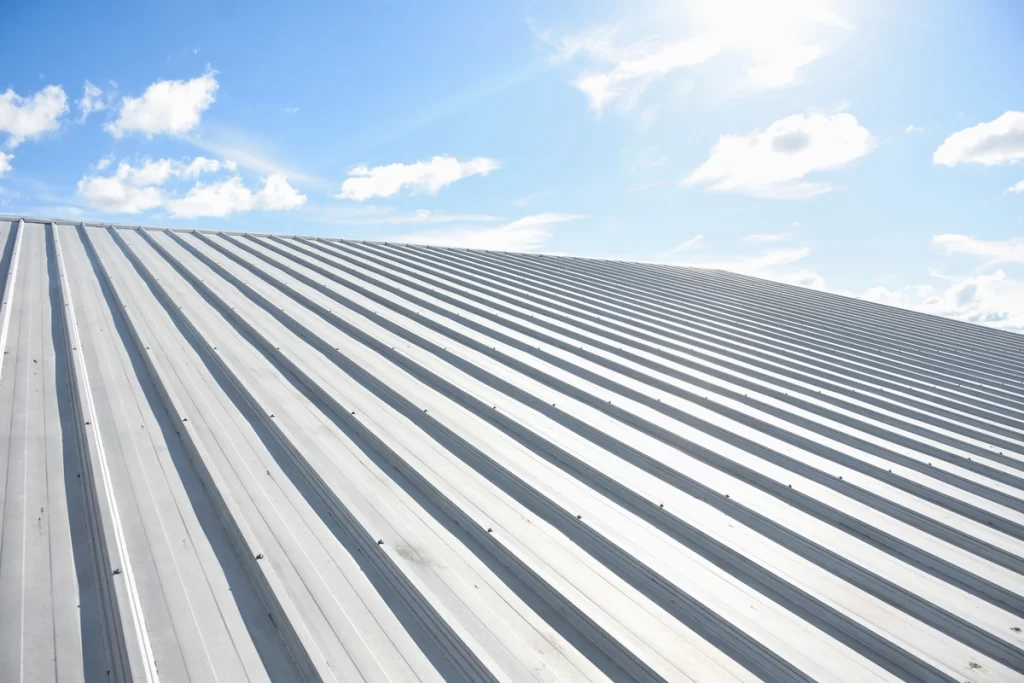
x: 869, y: 148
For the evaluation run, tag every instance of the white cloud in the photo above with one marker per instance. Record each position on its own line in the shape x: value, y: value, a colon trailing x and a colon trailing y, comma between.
x: 755, y: 264
x: 775, y: 161
x: 118, y: 195
x: 5, y: 162
x: 422, y: 176
x: 204, y: 165
x: 773, y: 41
x: 1016, y: 189
x: 772, y: 264
x: 431, y: 217
x: 524, y: 234
x: 23, y: 118
x: 291, y: 110
x: 92, y: 100
x: 133, y: 189
x: 104, y: 163
x: 997, y: 142
x: 251, y: 152
x: 764, y: 238
x: 993, y: 299
x: 688, y: 245
x: 913, y: 129
x: 994, y: 251
x: 637, y: 67
x: 231, y: 196
x: 166, y: 107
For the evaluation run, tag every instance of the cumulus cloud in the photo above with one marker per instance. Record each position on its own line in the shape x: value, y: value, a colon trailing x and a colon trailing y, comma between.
x: 133, y: 189
x: 231, y: 196
x: 24, y: 118
x: 997, y: 142
x: 423, y: 176
x: 122, y: 192
x: 524, y: 234
x: 92, y: 101
x: 772, y: 41
x: 204, y: 165
x: 913, y: 129
x: 173, y: 107
x: 775, y: 162
x: 1016, y: 189
x: 5, y: 162
x: 994, y: 251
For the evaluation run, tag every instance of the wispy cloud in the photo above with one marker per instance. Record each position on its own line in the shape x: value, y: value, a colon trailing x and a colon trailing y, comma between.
x: 422, y: 176
x: 525, y: 234
x: 773, y: 41
x: 764, y: 238
x: 250, y: 152
x: 92, y: 101
x: 369, y: 214
x: 687, y: 245
x: 751, y: 264
x: 993, y: 251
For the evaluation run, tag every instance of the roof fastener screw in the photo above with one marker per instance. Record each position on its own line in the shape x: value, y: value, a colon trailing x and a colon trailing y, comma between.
x: 661, y: 505
x: 491, y: 531
x: 117, y: 571
x: 579, y: 516
x: 380, y: 541
x: 88, y: 422
x: 259, y: 556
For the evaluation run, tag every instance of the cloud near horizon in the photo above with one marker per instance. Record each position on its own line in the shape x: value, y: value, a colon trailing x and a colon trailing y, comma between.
x: 423, y: 176
x: 134, y: 189
x: 524, y: 234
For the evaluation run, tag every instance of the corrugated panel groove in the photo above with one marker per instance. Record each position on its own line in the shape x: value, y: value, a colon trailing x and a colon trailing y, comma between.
x: 259, y: 457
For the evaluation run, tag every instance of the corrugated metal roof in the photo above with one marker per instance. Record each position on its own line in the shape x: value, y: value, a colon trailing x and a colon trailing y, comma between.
x: 239, y: 457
